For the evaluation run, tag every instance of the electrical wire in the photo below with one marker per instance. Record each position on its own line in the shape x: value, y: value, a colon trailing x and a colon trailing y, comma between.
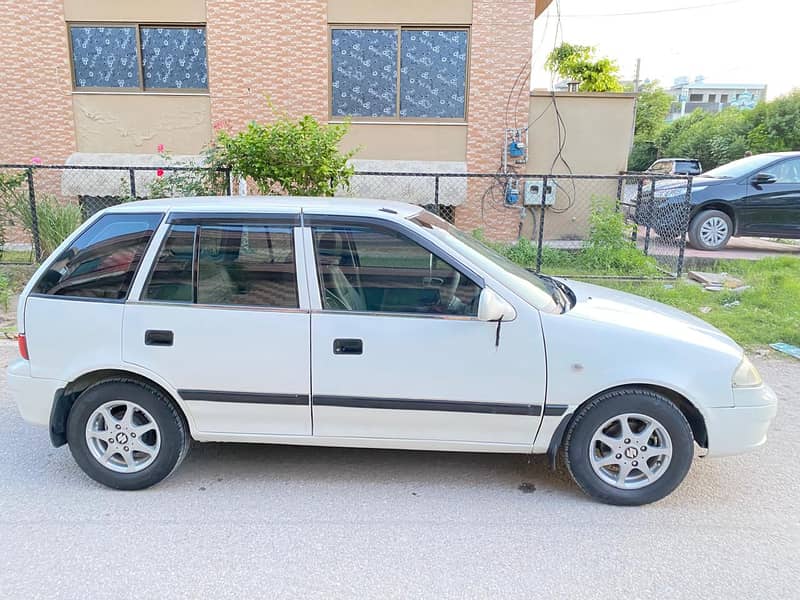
x: 651, y: 12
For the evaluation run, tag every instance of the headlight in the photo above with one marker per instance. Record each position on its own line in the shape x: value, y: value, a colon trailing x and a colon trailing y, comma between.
x: 746, y: 375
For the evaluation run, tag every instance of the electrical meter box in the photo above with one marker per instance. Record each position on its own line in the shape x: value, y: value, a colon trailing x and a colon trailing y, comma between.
x: 533, y: 193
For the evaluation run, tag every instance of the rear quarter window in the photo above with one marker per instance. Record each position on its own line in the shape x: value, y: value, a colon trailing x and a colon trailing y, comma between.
x: 102, y: 261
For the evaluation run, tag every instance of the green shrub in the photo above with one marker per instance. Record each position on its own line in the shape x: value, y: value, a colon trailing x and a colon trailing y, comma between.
x: 5, y: 291
x: 56, y: 220
x: 298, y: 158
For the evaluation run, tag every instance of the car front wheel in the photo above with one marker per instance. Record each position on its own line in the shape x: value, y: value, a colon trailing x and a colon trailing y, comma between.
x: 629, y: 447
x: 710, y: 230
x: 126, y: 434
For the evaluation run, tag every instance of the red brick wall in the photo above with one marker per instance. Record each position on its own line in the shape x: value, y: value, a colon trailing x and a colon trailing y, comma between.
x: 500, y: 49
x: 267, y: 48
x: 35, y: 99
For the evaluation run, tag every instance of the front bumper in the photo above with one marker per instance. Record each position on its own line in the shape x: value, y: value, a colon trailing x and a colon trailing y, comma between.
x: 34, y: 396
x: 743, y: 427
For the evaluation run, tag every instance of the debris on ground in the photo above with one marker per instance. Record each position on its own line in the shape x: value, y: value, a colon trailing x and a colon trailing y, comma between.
x: 716, y: 282
x: 786, y: 349
x: 731, y: 304
x: 705, y: 309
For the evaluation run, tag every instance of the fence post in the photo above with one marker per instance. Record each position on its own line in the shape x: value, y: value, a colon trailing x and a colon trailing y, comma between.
x: 132, y: 178
x: 619, y: 192
x: 436, y: 194
x: 685, y: 226
x: 228, y: 182
x: 541, y: 226
x: 37, y: 245
x: 650, y: 215
x: 636, y: 217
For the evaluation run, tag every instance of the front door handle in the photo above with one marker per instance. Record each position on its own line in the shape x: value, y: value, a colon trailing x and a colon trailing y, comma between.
x: 158, y: 337
x: 348, y: 346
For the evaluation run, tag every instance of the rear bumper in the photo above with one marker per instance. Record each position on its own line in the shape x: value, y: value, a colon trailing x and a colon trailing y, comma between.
x: 34, y: 396
x: 743, y: 427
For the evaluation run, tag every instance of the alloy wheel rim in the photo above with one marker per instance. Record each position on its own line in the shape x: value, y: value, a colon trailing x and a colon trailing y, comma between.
x: 630, y: 451
x: 714, y: 231
x: 123, y: 436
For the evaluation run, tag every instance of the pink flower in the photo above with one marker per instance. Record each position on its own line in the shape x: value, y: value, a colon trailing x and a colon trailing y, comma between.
x: 160, y: 173
x: 36, y: 160
x: 160, y: 148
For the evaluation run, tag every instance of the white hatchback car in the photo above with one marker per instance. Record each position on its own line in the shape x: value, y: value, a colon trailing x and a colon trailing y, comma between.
x: 361, y: 323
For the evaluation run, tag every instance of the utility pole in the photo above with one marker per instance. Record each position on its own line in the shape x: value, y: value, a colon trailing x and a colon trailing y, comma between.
x: 635, y: 101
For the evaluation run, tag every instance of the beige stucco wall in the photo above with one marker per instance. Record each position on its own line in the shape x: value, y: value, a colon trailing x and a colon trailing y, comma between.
x: 138, y: 11
x: 427, y: 12
x: 137, y: 123
x: 404, y: 141
x: 599, y: 130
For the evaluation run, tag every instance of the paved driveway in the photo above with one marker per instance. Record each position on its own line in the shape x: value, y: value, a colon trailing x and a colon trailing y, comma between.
x: 245, y: 521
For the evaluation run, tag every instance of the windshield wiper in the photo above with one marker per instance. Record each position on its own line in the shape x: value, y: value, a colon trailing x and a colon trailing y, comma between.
x: 559, y: 293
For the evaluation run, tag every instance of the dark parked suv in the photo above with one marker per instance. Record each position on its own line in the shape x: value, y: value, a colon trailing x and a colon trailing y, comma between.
x: 756, y: 196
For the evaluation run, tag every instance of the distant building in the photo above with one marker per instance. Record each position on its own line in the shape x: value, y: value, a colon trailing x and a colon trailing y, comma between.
x: 712, y: 97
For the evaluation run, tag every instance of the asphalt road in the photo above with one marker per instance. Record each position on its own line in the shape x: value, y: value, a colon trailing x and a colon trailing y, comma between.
x: 245, y: 521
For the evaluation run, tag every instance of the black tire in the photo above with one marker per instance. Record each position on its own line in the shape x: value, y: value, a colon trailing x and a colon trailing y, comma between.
x: 695, y: 237
x: 174, y: 434
x: 645, y: 402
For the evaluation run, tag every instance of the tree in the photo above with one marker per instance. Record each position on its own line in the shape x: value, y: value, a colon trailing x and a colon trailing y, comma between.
x: 573, y: 61
x: 298, y: 158
x: 652, y: 108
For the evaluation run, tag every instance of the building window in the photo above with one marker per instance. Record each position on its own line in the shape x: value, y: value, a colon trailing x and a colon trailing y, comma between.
x: 712, y: 97
x: 724, y: 98
x: 695, y: 97
x: 399, y: 73
x: 139, y: 58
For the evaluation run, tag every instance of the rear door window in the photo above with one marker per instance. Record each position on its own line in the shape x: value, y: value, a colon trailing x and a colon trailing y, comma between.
x: 103, y: 260
x: 228, y: 264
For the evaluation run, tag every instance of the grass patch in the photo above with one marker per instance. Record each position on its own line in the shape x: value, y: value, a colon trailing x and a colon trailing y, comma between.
x: 767, y: 312
x: 5, y: 291
x: 16, y: 257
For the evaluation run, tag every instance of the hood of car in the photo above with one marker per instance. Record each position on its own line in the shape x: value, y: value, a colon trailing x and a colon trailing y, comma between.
x: 646, y: 317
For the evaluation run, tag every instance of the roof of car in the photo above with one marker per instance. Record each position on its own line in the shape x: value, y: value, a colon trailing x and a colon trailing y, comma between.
x: 288, y: 204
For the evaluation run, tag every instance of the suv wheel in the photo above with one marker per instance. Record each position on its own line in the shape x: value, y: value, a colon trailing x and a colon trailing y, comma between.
x: 126, y: 434
x: 629, y: 447
x: 710, y: 230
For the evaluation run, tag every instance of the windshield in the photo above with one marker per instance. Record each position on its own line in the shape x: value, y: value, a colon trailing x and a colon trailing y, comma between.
x: 741, y: 167
x: 542, y: 293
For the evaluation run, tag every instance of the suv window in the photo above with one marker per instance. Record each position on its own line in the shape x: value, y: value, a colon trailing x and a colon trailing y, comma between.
x: 662, y: 166
x: 689, y: 167
x: 102, y: 261
x: 373, y: 269
x: 239, y: 264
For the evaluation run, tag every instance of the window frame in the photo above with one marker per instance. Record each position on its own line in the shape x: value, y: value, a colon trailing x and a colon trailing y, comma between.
x: 87, y: 225
x: 313, y: 221
x: 137, y: 26
x: 197, y: 221
x: 399, y: 28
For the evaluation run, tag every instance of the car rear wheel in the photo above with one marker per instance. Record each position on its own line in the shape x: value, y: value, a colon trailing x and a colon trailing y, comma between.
x: 710, y: 230
x: 126, y: 434
x: 629, y: 447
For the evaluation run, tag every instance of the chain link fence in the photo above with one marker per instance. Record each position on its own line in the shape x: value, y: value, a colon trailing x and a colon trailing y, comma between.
x: 563, y: 224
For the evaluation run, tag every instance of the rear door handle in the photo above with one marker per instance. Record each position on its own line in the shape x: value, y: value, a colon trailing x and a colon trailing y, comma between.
x: 348, y: 346
x: 158, y: 337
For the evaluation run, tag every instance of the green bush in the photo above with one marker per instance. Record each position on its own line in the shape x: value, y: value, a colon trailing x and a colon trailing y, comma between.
x: 56, y: 220
x: 297, y: 158
x: 5, y: 291
x: 608, y: 251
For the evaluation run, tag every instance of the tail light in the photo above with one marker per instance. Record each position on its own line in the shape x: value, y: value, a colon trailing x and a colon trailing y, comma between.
x: 23, y: 346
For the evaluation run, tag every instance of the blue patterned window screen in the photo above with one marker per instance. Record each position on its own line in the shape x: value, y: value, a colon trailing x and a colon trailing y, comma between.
x: 174, y: 57
x: 105, y: 57
x: 364, y: 72
x: 433, y: 73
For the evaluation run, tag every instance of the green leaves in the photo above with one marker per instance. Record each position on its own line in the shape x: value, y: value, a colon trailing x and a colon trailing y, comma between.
x: 298, y: 158
x: 577, y: 62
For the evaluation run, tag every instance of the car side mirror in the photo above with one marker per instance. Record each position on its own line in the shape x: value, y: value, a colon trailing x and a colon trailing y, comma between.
x: 762, y: 178
x: 491, y: 307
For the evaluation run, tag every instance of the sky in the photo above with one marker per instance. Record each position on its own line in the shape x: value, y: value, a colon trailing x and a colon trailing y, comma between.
x: 725, y: 41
